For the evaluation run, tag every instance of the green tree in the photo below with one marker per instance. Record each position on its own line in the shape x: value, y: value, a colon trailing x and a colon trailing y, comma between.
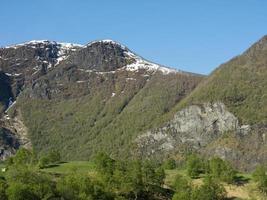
x: 159, y: 176
x: 210, y: 190
x: 54, y: 156
x: 80, y: 187
x: 20, y: 191
x: 104, y: 164
x: 134, y: 174
x: 39, y: 184
x: 221, y: 170
x: 22, y: 157
x: 148, y: 174
x: 183, y: 188
x: 194, y: 166
x: 260, y: 177
x: 3, y: 188
x: 169, y: 164
x: 43, y: 162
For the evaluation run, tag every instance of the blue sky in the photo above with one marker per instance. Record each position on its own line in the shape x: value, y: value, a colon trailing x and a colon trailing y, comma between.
x: 190, y: 35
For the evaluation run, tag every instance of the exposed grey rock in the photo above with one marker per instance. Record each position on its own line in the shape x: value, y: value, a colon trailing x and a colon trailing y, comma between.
x: 196, y: 125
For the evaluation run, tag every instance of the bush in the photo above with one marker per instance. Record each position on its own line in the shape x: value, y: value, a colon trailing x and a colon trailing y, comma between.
x: 38, y: 184
x: 260, y: 176
x: 20, y: 191
x: 169, y: 164
x: 194, y: 166
x: 210, y: 190
x: 80, y: 187
x: 53, y: 157
x: 221, y: 170
x: 3, y: 188
x: 22, y: 157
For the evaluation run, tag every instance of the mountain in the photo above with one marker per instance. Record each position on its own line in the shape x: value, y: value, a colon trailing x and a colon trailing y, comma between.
x: 225, y: 115
x: 84, y: 99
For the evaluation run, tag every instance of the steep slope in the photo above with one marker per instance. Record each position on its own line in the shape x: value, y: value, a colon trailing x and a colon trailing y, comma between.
x: 100, y: 98
x: 20, y: 66
x: 225, y: 115
x: 240, y: 83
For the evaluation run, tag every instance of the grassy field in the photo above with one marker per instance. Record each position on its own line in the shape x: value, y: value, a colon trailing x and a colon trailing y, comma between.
x: 68, y: 167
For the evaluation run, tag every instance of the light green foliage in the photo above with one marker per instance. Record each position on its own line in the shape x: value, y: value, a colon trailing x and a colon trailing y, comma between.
x: 3, y: 188
x: 43, y: 162
x: 221, y: 170
x: 210, y: 190
x: 20, y: 191
x: 169, y: 164
x: 53, y: 157
x: 194, y: 166
x: 182, y: 187
x: 22, y: 157
x: 80, y: 187
x: 260, y: 176
x: 24, y: 179
x: 131, y: 178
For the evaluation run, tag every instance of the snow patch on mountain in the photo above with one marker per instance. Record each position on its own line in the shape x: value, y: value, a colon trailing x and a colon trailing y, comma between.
x: 63, y: 50
x: 141, y: 63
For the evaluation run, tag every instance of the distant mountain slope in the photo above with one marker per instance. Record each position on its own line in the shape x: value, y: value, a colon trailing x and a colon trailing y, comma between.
x: 240, y: 83
x: 100, y: 96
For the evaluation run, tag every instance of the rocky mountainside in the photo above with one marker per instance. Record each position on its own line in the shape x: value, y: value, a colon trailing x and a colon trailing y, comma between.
x: 84, y: 99
x: 225, y: 115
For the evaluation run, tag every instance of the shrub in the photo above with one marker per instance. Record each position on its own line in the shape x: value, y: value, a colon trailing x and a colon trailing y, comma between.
x: 221, y: 170
x: 169, y: 164
x: 210, y: 190
x: 194, y: 166
x: 260, y: 176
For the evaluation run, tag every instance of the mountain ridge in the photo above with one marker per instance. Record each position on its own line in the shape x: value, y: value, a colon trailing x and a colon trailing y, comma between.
x: 103, y: 97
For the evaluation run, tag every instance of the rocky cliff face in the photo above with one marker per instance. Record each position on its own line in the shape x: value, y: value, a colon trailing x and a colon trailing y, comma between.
x: 204, y: 128
x: 196, y: 126
x: 22, y: 64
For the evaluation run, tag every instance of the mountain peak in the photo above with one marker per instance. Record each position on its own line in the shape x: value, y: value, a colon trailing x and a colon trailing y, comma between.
x: 107, y: 42
x: 44, y: 43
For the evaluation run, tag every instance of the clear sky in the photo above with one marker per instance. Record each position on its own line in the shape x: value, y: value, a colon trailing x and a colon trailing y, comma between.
x: 191, y: 35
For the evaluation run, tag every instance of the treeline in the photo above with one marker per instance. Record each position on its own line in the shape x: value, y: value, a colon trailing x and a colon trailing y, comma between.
x: 25, y: 179
x: 111, y: 179
x: 214, y: 172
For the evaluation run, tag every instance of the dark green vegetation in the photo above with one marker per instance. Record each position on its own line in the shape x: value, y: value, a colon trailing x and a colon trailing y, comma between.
x: 104, y: 178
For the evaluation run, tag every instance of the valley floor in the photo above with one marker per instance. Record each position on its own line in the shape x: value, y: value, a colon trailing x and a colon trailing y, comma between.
x: 244, y: 190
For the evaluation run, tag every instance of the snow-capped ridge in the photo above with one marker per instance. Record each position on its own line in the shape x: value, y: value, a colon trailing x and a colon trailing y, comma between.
x: 45, y: 42
x: 106, y: 41
x: 139, y: 62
